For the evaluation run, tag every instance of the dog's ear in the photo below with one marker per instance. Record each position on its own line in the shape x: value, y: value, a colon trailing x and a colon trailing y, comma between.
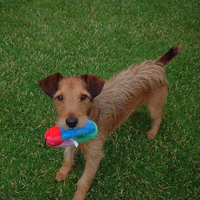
x: 50, y: 84
x: 94, y: 84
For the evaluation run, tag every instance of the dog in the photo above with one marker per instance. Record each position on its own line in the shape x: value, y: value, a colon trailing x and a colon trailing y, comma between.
x: 108, y: 103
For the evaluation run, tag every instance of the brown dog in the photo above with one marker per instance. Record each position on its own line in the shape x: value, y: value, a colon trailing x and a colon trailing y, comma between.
x: 108, y: 103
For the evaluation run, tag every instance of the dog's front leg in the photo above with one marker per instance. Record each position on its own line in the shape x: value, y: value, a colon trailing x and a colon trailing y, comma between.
x: 93, y: 157
x: 67, y: 163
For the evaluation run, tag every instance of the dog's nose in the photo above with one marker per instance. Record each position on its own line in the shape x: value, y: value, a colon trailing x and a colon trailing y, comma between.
x: 71, y: 122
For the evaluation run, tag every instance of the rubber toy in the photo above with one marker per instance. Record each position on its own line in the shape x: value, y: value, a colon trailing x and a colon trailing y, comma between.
x: 60, y: 137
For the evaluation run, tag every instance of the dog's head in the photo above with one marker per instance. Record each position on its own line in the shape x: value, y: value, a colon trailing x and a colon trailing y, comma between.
x: 73, y: 97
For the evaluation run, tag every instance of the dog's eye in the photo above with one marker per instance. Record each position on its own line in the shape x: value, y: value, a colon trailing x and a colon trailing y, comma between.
x: 60, y: 97
x: 83, y: 97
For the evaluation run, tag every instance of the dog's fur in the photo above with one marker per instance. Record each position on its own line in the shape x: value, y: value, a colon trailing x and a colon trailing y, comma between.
x: 109, y: 103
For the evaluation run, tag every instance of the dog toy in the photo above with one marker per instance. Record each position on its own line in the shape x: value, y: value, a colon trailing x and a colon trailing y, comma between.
x: 60, y: 137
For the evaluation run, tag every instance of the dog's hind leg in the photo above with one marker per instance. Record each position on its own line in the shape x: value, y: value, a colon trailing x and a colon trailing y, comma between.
x: 155, y: 103
x: 67, y: 163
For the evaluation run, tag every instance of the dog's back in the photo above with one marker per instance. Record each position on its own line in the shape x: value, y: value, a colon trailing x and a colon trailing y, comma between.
x: 125, y: 91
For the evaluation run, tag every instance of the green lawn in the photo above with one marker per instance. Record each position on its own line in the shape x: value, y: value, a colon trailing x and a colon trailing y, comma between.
x: 42, y: 37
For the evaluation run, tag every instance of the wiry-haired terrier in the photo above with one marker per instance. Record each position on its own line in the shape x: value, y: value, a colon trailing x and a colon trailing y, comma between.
x: 108, y: 103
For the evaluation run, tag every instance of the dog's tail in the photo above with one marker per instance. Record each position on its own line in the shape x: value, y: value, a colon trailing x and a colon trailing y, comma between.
x: 167, y: 57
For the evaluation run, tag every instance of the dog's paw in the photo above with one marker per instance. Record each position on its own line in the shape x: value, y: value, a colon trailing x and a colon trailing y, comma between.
x: 60, y: 176
x: 78, y: 197
x: 151, y: 135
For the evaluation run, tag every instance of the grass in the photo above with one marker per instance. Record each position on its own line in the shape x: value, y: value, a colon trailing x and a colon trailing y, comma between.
x: 42, y: 37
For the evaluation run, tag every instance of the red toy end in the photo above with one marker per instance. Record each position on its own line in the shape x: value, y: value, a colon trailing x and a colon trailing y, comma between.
x: 53, y: 137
